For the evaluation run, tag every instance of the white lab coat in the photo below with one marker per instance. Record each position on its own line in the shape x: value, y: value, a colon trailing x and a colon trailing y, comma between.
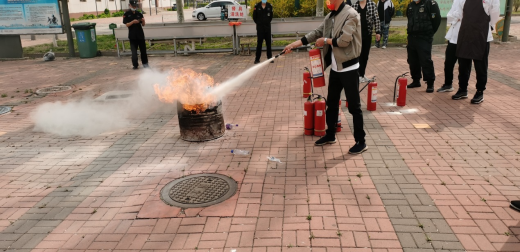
x: 491, y: 7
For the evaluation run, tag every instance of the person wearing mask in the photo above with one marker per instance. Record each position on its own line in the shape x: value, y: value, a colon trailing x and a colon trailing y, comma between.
x: 385, y: 10
x: 263, y: 15
x: 340, y: 36
x: 134, y: 20
x: 369, y: 19
x: 474, y: 36
x: 424, y: 19
x: 450, y: 59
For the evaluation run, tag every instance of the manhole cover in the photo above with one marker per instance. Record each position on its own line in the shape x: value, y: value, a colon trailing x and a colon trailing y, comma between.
x: 51, y: 90
x: 4, y: 110
x: 199, y: 190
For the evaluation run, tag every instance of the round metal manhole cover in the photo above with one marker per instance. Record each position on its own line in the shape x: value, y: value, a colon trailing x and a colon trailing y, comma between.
x: 4, y: 110
x: 199, y: 190
x: 52, y: 90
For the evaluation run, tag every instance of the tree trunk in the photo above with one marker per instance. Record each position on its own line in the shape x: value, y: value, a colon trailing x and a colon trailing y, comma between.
x: 319, y: 8
x: 180, y: 11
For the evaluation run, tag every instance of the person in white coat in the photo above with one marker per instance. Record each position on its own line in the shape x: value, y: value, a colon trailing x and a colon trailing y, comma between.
x: 472, y: 29
x: 454, y: 17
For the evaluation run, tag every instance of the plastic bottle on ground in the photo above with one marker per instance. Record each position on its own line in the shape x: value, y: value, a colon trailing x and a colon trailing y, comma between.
x: 274, y: 159
x: 240, y: 152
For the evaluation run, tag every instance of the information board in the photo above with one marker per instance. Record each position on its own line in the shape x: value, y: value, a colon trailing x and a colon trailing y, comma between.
x: 236, y: 12
x: 18, y: 17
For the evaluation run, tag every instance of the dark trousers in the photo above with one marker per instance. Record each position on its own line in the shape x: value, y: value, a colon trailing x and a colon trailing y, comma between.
x: 449, y: 63
x: 134, y: 44
x: 420, y: 58
x: 349, y: 81
x: 263, y: 35
x: 481, y: 68
x: 365, y: 51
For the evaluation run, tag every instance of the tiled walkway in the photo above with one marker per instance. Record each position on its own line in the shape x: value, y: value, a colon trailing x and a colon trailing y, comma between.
x: 438, y: 176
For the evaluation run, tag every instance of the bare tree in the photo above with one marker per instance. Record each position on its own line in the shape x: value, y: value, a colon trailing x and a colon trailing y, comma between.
x: 516, y: 5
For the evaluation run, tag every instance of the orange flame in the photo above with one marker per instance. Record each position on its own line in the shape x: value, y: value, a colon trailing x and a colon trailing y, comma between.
x: 188, y: 87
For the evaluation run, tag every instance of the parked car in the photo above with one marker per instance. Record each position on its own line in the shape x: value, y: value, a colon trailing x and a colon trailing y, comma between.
x: 212, y: 10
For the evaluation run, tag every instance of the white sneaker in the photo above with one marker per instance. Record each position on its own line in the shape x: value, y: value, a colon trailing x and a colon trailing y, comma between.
x: 384, y: 47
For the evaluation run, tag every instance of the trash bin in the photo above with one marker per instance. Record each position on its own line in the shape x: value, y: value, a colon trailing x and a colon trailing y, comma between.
x: 86, y: 38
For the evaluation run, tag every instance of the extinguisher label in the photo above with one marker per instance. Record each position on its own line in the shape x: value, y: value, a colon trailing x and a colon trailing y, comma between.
x: 319, y: 112
x: 317, y: 70
x: 304, y: 113
x: 398, y: 90
x: 374, y: 94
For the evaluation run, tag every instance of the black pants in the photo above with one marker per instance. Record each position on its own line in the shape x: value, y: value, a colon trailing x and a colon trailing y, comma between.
x: 481, y: 68
x: 134, y: 44
x: 263, y: 35
x: 349, y: 81
x: 449, y: 63
x: 365, y: 51
x: 420, y: 58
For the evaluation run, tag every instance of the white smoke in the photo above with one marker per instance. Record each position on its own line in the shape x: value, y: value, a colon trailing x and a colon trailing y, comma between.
x: 89, y: 117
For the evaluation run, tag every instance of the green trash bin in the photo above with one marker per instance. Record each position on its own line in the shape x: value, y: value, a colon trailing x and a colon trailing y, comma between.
x: 86, y: 38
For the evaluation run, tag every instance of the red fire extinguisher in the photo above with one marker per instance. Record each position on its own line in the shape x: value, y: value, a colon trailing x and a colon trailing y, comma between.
x: 307, y: 84
x: 338, y: 127
x: 319, y: 116
x: 308, y: 117
x: 401, y: 90
x: 318, y: 75
x: 372, y: 95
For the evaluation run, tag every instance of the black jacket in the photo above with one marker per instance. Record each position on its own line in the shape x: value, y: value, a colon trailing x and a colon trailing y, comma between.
x: 385, y: 14
x: 263, y: 17
x: 424, y: 18
x: 135, y: 31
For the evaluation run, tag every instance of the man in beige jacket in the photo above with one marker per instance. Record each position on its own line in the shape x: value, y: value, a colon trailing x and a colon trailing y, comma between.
x: 340, y: 36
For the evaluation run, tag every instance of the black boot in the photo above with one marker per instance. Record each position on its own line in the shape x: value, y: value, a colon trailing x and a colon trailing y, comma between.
x: 429, y: 88
x: 414, y: 84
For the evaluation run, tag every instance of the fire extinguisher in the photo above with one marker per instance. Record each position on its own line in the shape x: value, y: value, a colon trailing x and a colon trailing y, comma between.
x: 372, y: 95
x: 307, y: 83
x: 308, y: 117
x: 318, y: 75
x: 319, y: 116
x: 338, y: 127
x: 401, y: 89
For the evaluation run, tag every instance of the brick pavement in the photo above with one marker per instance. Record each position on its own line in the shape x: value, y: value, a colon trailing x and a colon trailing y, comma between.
x: 444, y: 188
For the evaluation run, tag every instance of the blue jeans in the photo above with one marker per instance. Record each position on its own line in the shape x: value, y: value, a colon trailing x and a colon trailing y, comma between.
x: 384, y: 30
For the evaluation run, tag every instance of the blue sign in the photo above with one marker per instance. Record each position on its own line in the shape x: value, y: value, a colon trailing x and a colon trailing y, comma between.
x: 81, y: 36
x: 18, y: 17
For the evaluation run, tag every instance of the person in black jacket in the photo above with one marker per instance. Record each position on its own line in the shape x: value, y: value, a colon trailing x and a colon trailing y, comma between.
x: 263, y: 15
x: 424, y: 18
x: 134, y: 20
x: 385, y: 9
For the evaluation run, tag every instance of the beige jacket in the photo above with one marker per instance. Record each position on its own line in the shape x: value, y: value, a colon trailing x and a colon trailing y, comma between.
x: 346, y: 37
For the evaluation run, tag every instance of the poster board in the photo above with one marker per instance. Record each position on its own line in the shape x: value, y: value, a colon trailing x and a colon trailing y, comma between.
x: 21, y: 17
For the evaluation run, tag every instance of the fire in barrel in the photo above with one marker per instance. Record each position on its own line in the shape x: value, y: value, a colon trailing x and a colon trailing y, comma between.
x: 200, y: 114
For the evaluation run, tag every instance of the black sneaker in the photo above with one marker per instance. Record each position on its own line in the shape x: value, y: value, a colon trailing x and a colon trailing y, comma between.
x: 326, y: 140
x: 515, y: 204
x: 257, y: 61
x: 414, y: 84
x: 460, y: 95
x: 135, y: 67
x: 478, y: 98
x: 445, y: 88
x: 429, y: 89
x: 358, y: 148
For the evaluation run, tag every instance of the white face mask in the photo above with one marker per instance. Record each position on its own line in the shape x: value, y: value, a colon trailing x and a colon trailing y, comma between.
x: 133, y: 9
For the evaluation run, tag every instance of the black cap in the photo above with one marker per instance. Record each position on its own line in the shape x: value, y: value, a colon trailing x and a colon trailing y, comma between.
x: 133, y: 3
